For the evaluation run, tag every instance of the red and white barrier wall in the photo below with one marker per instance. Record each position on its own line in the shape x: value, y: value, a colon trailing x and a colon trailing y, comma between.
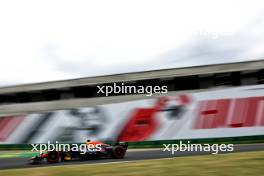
x: 210, y: 114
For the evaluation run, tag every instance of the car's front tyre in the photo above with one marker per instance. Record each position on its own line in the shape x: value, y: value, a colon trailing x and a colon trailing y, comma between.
x: 53, y: 157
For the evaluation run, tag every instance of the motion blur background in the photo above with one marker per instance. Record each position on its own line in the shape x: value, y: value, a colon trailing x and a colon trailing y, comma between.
x: 199, y: 49
x: 209, y: 54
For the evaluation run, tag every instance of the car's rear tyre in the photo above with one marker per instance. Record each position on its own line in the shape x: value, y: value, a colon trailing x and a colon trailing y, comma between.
x: 118, y: 152
x: 53, y: 157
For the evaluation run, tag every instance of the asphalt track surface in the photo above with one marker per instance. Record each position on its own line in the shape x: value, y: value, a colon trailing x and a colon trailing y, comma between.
x: 132, y: 155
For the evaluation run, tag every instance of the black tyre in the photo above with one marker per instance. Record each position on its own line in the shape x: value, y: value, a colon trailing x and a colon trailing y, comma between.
x: 118, y: 152
x: 53, y: 157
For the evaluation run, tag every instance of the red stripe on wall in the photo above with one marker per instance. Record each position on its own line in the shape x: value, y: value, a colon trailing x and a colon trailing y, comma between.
x: 8, y: 125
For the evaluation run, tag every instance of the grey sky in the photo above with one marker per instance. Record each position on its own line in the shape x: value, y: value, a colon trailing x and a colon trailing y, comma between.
x: 60, y: 39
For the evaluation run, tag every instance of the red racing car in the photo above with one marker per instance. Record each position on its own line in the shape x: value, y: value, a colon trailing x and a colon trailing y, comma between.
x: 116, y: 151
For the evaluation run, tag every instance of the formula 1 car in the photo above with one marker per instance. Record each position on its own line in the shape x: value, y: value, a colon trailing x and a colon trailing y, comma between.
x: 116, y: 151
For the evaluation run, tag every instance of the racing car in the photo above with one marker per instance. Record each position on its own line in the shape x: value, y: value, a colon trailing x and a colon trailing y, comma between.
x: 116, y: 151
